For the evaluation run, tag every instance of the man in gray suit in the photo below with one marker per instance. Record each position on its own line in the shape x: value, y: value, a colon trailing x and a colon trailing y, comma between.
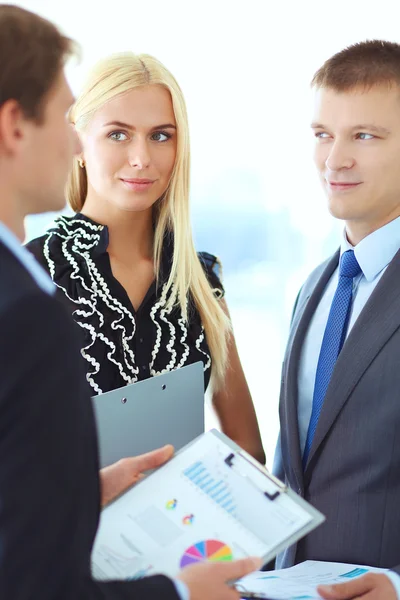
x: 339, y: 445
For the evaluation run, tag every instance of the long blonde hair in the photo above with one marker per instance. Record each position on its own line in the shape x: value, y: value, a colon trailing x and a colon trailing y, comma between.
x: 118, y: 74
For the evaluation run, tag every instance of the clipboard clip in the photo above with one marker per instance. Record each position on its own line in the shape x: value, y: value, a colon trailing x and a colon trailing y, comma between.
x: 281, y: 487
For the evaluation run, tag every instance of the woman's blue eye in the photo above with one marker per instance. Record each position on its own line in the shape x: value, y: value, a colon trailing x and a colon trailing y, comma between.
x: 118, y: 136
x: 160, y: 134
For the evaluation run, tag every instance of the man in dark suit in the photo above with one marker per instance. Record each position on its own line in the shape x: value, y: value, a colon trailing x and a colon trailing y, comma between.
x: 339, y: 444
x: 49, y: 482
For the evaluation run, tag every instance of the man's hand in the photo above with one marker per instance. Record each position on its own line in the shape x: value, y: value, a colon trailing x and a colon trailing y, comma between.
x: 209, y: 580
x: 118, y: 477
x: 374, y: 586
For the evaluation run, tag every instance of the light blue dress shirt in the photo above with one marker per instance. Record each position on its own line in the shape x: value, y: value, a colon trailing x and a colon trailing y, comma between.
x: 373, y: 254
x: 183, y: 590
x: 28, y: 261
x: 10, y: 240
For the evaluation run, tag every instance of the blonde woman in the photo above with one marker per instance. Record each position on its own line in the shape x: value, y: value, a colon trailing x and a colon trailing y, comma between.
x: 125, y: 264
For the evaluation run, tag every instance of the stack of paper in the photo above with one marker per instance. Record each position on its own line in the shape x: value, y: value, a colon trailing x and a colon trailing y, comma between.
x: 300, y: 582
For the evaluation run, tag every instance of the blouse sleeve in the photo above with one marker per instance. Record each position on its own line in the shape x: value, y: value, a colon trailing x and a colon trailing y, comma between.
x: 35, y: 247
x: 213, y: 270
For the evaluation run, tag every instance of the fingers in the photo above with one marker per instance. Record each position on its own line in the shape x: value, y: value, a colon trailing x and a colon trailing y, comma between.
x: 116, y: 478
x: 151, y: 460
x: 240, y: 568
x: 345, y: 591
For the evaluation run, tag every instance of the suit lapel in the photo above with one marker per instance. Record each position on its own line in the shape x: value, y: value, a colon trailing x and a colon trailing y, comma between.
x: 289, y: 422
x: 376, y: 323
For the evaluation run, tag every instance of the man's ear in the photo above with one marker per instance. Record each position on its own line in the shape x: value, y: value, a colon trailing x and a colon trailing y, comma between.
x: 13, y: 125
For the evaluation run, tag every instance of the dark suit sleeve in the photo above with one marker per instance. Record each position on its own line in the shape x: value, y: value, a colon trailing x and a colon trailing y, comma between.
x: 49, y: 492
x: 277, y: 468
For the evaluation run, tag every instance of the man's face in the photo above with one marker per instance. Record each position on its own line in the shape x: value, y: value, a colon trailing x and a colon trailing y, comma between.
x: 47, y: 154
x: 357, y: 154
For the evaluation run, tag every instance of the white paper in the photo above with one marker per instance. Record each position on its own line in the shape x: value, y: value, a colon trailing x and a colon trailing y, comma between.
x: 301, y: 581
x: 195, y: 508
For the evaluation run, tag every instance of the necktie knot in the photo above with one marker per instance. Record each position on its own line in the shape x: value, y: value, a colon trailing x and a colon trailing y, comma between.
x: 349, y: 266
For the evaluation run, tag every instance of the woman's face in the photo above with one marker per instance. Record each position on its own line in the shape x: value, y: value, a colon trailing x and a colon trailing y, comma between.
x: 129, y: 148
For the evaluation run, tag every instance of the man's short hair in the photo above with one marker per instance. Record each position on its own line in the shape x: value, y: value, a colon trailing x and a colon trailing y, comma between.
x: 33, y: 52
x: 365, y: 65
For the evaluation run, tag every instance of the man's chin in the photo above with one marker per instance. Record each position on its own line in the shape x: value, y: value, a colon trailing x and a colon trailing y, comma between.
x: 343, y: 210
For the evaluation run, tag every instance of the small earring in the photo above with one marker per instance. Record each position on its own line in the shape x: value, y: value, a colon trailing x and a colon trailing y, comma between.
x: 81, y: 163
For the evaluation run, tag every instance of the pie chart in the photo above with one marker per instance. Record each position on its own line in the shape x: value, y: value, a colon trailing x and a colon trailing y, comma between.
x: 209, y: 550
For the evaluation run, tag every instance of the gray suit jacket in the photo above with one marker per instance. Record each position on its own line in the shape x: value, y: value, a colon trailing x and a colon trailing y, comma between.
x: 353, y: 470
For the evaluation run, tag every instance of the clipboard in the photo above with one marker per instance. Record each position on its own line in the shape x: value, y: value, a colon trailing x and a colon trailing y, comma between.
x: 212, y: 501
x: 125, y: 417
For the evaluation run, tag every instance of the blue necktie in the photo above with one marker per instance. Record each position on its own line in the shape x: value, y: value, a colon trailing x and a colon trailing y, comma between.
x: 334, y: 336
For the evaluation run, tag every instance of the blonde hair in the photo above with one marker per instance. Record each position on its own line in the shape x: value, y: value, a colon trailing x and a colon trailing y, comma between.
x: 118, y: 74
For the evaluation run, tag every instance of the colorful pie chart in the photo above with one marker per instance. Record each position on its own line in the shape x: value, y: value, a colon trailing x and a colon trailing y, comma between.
x: 209, y: 550
x: 188, y: 520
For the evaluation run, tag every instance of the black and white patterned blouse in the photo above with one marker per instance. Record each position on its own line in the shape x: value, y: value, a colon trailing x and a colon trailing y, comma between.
x: 120, y: 345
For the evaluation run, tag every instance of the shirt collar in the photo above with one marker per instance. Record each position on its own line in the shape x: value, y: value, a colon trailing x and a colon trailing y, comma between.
x: 27, y: 260
x: 103, y: 241
x: 375, y: 251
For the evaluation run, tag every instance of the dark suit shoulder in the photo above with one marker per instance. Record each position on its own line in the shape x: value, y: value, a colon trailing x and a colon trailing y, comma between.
x: 36, y: 247
x: 37, y: 337
x: 15, y: 280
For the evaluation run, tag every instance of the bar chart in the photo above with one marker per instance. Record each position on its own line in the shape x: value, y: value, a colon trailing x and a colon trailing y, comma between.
x: 216, y: 488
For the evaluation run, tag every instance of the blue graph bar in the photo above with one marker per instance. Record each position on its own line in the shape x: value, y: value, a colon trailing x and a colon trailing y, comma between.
x: 195, y: 476
x: 202, y: 479
x: 222, y: 500
x: 218, y: 494
x: 191, y: 469
x: 206, y: 483
x: 215, y: 489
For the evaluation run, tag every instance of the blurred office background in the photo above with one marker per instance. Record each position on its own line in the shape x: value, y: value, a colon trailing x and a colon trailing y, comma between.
x: 245, y: 69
